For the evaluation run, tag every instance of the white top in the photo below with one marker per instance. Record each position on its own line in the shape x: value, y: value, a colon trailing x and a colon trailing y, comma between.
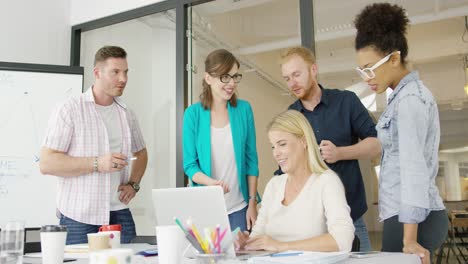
x: 110, y: 117
x: 224, y: 168
x: 318, y: 209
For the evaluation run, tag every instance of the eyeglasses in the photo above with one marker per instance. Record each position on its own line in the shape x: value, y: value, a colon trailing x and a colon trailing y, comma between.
x: 226, y: 78
x: 368, y: 73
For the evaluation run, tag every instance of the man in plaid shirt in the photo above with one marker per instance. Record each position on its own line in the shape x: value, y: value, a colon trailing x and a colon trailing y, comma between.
x: 90, y: 141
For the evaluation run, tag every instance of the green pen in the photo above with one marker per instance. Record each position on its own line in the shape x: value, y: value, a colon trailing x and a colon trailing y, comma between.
x: 189, y: 236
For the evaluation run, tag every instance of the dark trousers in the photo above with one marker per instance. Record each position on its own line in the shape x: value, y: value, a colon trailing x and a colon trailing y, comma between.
x: 77, y: 233
x: 238, y: 219
x: 431, y: 232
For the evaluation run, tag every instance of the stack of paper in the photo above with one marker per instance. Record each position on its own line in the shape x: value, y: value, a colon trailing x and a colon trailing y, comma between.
x: 304, y: 257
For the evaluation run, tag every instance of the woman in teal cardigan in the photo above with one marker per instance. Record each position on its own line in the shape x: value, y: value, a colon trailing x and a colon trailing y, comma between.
x: 219, y: 142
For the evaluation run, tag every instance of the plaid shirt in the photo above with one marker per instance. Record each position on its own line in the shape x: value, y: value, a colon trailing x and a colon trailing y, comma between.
x: 77, y: 129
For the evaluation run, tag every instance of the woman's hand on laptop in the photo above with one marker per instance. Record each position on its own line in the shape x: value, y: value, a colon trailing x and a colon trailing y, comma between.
x: 264, y: 242
x: 241, y: 240
x: 223, y: 185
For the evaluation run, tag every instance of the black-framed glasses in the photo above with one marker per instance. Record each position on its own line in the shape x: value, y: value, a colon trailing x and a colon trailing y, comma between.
x: 226, y: 78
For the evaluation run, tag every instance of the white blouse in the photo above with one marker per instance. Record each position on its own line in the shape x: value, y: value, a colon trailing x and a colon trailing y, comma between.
x: 318, y: 209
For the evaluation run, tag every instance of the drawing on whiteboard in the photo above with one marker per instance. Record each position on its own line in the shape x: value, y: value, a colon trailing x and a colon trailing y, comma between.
x: 27, y: 99
x: 18, y: 121
x: 21, y: 130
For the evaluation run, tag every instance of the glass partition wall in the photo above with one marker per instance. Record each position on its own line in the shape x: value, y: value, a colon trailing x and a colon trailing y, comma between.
x: 255, y: 32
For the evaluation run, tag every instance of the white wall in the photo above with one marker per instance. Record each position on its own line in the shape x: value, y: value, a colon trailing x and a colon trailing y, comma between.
x: 35, y: 31
x: 86, y: 10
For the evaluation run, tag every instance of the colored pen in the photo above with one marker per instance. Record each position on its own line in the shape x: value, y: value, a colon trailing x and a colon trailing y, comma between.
x: 222, y: 236
x: 181, y: 226
x: 233, y: 235
x: 285, y: 254
x: 194, y: 243
x: 208, y: 238
x: 189, y: 236
x: 218, y: 244
x: 197, y: 235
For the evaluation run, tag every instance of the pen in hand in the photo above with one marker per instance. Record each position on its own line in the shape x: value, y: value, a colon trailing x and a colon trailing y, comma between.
x: 132, y: 158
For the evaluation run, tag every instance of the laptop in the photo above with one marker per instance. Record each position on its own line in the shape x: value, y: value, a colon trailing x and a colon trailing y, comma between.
x: 204, y: 205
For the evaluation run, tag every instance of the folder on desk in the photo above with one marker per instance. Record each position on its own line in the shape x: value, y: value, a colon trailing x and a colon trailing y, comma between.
x: 305, y: 257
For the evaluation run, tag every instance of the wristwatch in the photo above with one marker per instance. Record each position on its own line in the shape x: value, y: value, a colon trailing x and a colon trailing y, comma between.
x: 134, y: 185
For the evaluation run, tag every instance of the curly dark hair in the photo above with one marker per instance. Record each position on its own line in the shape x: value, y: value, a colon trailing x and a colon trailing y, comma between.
x: 383, y: 26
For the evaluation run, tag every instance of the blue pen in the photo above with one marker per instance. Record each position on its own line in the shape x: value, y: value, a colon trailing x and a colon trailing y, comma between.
x: 285, y: 254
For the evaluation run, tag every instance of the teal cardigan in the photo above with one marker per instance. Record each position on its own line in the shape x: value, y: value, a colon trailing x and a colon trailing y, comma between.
x: 197, y: 142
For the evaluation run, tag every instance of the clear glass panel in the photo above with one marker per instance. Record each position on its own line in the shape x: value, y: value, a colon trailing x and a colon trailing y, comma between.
x: 463, y: 170
x: 256, y: 31
x: 150, y: 93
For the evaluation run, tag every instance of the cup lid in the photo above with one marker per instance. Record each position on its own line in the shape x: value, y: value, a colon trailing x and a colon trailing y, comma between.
x: 53, y: 228
x: 110, y: 228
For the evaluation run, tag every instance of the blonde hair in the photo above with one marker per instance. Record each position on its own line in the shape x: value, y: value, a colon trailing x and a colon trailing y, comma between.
x: 295, y: 123
x: 306, y: 54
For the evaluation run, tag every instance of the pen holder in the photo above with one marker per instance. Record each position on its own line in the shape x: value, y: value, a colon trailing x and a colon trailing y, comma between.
x: 210, y: 258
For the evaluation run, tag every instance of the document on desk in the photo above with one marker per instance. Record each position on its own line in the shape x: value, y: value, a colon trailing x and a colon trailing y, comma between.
x: 295, y: 257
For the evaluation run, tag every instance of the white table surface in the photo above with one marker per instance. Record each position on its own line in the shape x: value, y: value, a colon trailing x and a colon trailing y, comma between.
x: 382, y: 258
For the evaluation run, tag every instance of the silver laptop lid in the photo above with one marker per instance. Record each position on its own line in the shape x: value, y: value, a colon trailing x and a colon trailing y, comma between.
x: 204, y: 205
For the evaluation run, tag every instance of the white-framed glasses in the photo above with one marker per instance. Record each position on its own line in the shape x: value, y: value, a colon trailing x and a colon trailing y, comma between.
x: 368, y: 73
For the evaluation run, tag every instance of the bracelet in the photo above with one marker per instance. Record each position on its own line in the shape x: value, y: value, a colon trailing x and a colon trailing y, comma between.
x: 95, y: 164
x: 252, y: 197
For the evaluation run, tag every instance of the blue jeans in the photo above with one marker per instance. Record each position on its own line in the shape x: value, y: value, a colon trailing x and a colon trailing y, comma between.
x: 238, y: 219
x: 362, y: 234
x: 77, y: 231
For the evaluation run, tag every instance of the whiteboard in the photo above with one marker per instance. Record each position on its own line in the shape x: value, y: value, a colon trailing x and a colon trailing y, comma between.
x: 28, y: 94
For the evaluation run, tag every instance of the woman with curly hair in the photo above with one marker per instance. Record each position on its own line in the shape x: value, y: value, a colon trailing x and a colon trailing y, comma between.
x: 414, y: 216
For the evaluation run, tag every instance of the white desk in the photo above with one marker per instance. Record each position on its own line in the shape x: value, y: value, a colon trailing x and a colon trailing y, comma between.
x: 383, y: 258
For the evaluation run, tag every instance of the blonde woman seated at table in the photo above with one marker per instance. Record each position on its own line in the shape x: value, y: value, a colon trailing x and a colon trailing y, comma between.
x: 305, y: 208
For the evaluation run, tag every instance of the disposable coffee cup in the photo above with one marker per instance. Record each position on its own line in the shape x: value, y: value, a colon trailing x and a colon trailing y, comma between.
x: 53, y: 239
x: 171, y: 244
x: 98, y: 241
x: 114, y: 234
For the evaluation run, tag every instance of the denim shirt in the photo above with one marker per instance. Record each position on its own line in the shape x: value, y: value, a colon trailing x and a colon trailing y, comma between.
x: 409, y: 131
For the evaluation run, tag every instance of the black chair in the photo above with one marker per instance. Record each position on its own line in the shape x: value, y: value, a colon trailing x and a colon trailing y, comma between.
x: 144, y: 239
x: 356, y: 247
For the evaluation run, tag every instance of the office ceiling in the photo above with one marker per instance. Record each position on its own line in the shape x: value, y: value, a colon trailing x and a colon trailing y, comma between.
x: 260, y: 30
